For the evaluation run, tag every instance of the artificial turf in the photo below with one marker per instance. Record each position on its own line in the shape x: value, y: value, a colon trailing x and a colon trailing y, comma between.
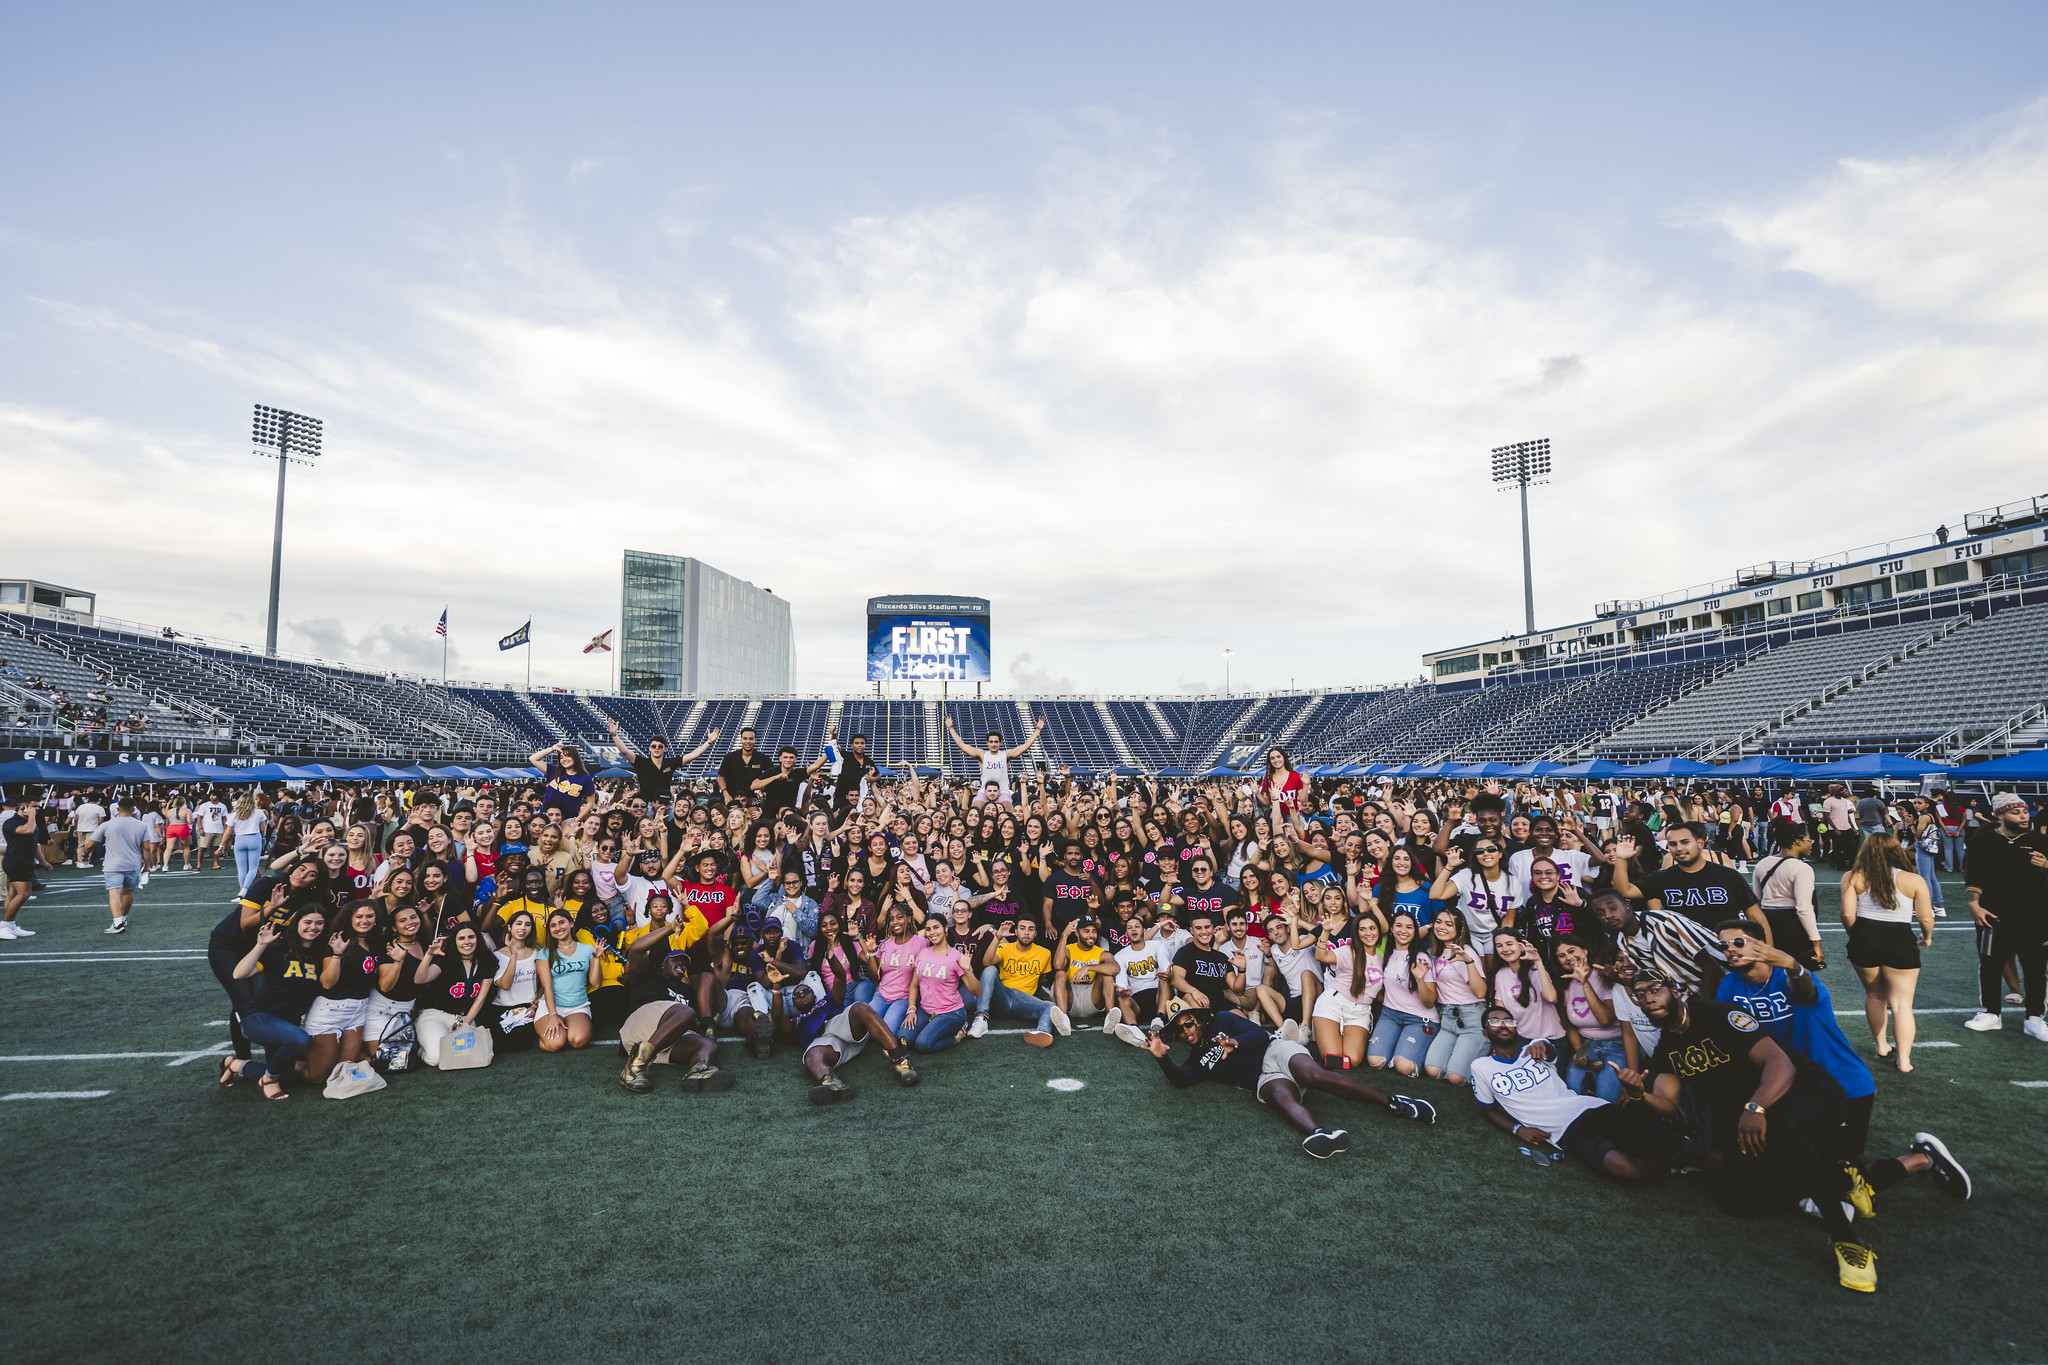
x: 534, y: 1210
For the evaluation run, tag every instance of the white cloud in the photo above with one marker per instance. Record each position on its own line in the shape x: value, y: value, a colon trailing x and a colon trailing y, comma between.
x: 1145, y: 427
x: 1961, y: 234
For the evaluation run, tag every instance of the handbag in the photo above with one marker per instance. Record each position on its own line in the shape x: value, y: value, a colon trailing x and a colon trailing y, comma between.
x: 395, y: 1048
x: 466, y: 1048
x: 349, y: 1079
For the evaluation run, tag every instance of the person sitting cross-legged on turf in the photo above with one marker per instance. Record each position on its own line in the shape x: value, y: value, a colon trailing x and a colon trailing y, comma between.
x: 1290, y: 981
x: 891, y: 959
x: 524, y: 990
x: 286, y: 962
x: 572, y: 970
x: 1201, y: 977
x: 732, y: 946
x: 1517, y: 1085
x: 1137, y: 982
x: 1776, y: 1122
x: 455, y: 983
x: 659, y: 1032
x: 1231, y: 1049
x: 1013, y: 965
x: 1792, y: 1005
x: 843, y: 1037
x: 1083, y: 972
x: 938, y: 1015
x: 336, y: 1018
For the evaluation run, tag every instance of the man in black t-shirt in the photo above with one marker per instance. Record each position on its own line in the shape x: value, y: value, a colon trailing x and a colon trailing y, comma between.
x: 1066, y: 892
x: 1001, y: 904
x: 780, y: 790
x: 1489, y: 813
x: 1200, y: 974
x: 1204, y: 895
x: 2005, y: 870
x: 23, y: 856
x: 1692, y: 886
x: 1776, y: 1118
x: 855, y: 767
x: 740, y: 769
x: 655, y: 771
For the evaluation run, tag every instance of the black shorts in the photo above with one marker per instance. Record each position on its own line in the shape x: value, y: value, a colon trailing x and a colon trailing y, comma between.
x: 18, y: 871
x: 1619, y: 1128
x: 1146, y: 1003
x: 1872, y: 944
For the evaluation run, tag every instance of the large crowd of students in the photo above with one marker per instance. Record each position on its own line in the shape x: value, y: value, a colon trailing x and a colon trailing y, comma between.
x: 1626, y: 977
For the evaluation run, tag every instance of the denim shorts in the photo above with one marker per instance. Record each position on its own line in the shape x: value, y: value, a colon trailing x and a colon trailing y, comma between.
x: 1401, y: 1037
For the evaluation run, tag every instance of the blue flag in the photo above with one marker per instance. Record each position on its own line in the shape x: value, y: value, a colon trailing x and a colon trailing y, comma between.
x: 517, y: 637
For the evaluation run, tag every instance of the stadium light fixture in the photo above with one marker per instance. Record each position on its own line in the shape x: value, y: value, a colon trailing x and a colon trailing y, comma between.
x: 288, y: 438
x: 1517, y: 466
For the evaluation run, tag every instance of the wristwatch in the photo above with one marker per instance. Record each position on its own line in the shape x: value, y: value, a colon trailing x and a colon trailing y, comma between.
x: 1752, y: 1106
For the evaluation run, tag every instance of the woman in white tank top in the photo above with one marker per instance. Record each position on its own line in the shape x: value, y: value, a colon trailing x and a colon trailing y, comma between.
x: 1881, y: 899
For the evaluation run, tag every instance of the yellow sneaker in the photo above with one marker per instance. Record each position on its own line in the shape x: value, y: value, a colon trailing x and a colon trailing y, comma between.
x: 1860, y: 1193
x: 1856, y: 1266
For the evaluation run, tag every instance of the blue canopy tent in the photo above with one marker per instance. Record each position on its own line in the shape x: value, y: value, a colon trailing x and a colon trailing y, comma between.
x: 1591, y: 767
x: 1872, y: 767
x: 140, y: 772
x: 1359, y: 770
x: 1223, y: 772
x: 35, y: 770
x: 2027, y: 767
x: 278, y: 772
x: 924, y: 770
x: 1486, y: 769
x: 376, y: 772
x: 1121, y: 771
x: 1173, y: 772
x: 450, y: 772
x: 1537, y: 768
x: 1763, y: 765
x: 616, y: 772
x: 1669, y: 767
x: 516, y: 774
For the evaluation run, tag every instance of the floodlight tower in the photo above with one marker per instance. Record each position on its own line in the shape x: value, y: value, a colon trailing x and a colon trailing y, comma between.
x: 1520, y: 465
x: 287, y: 437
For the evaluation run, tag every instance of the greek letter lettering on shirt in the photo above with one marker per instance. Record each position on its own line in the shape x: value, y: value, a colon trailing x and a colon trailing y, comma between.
x: 1702, y: 1057
x: 1767, y: 1005
x: 1526, y: 1074
x: 1698, y: 897
x: 299, y: 969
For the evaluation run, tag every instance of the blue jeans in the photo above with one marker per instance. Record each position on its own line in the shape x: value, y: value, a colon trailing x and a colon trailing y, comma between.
x: 892, y: 1013
x: 248, y: 858
x: 283, y: 1044
x: 1924, y: 863
x: 997, y: 998
x: 935, y: 1031
x: 1952, y: 851
x: 1399, y: 1035
x: 863, y: 992
x: 1606, y: 1084
x: 1458, y: 1040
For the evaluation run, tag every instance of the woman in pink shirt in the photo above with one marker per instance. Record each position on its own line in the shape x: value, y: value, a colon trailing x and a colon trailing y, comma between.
x: 1355, y: 969
x: 1407, y: 1022
x: 1525, y: 990
x: 1461, y: 987
x: 893, y: 961
x: 937, y: 1013
x: 836, y: 963
x: 1589, y: 1016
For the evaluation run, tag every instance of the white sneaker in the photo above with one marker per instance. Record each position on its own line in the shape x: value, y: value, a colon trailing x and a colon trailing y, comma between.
x: 979, y: 1028
x: 119, y: 926
x: 2035, y: 1029
x: 7, y: 929
x: 1061, y: 1025
x: 1983, y: 1022
x: 1290, y: 1032
x: 143, y: 880
x: 1110, y: 1019
x: 1941, y: 912
x: 20, y: 932
x: 1133, y: 1035
x: 2014, y: 998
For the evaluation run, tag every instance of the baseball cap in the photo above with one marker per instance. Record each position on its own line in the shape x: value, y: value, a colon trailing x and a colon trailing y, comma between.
x: 2005, y: 800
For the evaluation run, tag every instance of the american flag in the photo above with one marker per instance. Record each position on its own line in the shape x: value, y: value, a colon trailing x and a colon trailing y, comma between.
x: 441, y: 627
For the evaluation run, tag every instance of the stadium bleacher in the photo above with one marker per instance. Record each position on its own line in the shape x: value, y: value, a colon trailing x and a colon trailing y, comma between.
x: 1963, y: 671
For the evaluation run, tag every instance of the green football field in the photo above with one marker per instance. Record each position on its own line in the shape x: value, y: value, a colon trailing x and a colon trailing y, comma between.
x: 536, y: 1211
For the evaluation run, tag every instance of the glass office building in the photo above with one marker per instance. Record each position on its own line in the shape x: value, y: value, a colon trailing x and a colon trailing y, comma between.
x: 685, y: 627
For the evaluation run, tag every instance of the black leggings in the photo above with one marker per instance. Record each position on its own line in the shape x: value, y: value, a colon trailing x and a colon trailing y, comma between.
x: 1802, y: 1158
x: 1881, y: 1174
x: 241, y: 994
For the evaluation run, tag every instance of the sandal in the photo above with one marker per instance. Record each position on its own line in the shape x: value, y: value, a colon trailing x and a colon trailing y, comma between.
x: 230, y: 1069
x: 273, y: 1089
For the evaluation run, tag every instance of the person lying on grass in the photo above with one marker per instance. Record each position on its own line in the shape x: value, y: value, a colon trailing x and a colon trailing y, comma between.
x: 1230, y: 1049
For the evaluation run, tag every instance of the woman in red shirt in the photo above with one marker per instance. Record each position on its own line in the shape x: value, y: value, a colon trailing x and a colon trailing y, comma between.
x: 1281, y: 786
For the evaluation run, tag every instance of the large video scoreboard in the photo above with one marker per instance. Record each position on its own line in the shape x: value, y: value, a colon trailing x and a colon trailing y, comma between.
x: 918, y: 638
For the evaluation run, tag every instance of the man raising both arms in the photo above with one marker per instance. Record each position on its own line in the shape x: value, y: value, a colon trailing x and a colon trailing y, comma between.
x: 1230, y: 1049
x: 655, y: 771
x: 995, y: 759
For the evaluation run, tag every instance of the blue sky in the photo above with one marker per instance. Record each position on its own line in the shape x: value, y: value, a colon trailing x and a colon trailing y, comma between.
x: 1166, y: 328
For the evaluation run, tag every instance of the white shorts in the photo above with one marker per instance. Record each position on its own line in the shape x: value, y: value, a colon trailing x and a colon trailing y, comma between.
x: 1338, y: 1006
x: 735, y: 1001
x: 1279, y: 1053
x: 562, y: 1012
x: 838, y: 1036
x: 381, y: 1010
x: 335, y: 1016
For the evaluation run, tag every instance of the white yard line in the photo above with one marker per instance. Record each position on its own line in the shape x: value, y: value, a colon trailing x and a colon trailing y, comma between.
x: 57, y: 1095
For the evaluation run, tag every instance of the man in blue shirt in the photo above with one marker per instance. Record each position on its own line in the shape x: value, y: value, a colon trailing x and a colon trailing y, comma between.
x: 1795, y: 1009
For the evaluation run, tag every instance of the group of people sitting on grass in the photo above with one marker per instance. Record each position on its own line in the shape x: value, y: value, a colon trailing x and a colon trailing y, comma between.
x: 1618, y: 995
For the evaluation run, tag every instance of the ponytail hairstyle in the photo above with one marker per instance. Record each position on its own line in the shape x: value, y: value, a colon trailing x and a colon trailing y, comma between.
x: 1876, y: 860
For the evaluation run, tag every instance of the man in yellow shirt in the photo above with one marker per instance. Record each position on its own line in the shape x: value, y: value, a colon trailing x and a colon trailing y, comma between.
x: 1013, y: 965
x: 1083, y: 972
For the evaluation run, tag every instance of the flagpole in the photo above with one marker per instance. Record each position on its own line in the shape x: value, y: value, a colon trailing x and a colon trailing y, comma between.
x: 529, y: 653
x: 444, y: 646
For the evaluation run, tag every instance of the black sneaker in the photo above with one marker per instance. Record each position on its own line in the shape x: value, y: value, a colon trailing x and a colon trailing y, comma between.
x: 1422, y: 1111
x: 764, y: 1037
x: 706, y: 1077
x: 905, y: 1072
x: 1947, y: 1170
x: 1326, y: 1142
x: 831, y: 1090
